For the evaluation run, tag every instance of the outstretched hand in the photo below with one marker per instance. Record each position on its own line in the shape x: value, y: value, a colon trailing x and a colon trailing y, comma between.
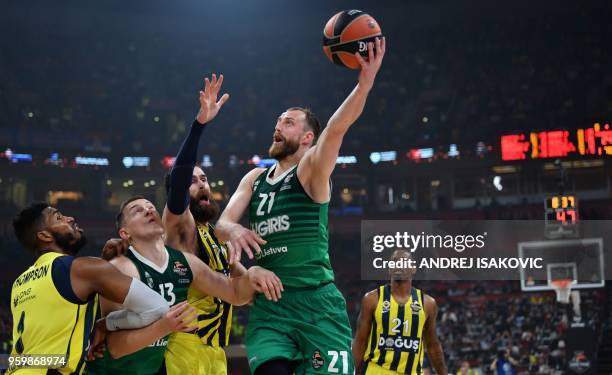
x: 370, y: 67
x: 209, y: 106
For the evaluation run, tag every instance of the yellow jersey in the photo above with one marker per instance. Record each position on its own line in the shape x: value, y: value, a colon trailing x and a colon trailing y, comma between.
x: 396, y: 336
x: 214, y: 315
x: 48, y: 319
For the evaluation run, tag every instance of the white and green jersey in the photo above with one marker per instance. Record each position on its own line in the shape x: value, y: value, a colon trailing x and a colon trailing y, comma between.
x: 295, y: 228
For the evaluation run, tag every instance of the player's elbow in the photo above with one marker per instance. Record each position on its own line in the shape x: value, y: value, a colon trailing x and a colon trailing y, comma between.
x: 115, y: 348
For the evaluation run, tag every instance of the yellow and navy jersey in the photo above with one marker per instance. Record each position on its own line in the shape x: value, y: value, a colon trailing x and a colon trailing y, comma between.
x: 48, y: 317
x: 396, y: 336
x: 214, y: 315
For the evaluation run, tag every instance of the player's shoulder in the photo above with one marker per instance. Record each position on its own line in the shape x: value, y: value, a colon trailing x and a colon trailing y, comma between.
x: 429, y: 303
x: 125, y: 265
x: 370, y: 298
x: 254, y: 173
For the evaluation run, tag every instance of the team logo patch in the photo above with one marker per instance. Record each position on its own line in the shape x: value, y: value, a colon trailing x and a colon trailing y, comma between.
x: 386, y: 306
x: 179, y: 268
x: 416, y: 307
x: 317, y: 360
x: 149, y: 279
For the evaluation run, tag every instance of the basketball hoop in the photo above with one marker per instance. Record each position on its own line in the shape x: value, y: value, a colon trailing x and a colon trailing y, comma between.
x: 563, y: 288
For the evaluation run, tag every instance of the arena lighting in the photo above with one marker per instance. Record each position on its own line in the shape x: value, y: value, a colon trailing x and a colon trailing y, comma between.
x: 265, y: 163
x: 497, y: 183
x: 350, y: 159
x: 453, y: 151
x: 54, y: 159
x: 80, y: 160
x: 421, y: 153
x: 376, y: 157
x: 168, y: 161
x: 54, y: 196
x: 136, y: 161
x: 15, y: 158
x: 206, y: 161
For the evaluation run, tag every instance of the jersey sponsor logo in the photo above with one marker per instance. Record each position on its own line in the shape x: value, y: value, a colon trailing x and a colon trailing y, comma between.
x: 35, y: 274
x: 184, y: 281
x: 317, y: 360
x: 149, y: 279
x: 23, y: 296
x: 415, y: 307
x: 179, y: 268
x: 404, y: 344
x: 272, y: 225
x: 287, y: 182
x: 271, y: 251
x: 163, y: 342
x: 386, y: 306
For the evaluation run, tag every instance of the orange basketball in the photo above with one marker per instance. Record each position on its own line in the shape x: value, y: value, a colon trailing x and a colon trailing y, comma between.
x: 348, y: 32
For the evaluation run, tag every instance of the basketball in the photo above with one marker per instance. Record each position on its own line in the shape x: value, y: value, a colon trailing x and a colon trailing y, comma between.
x: 348, y: 32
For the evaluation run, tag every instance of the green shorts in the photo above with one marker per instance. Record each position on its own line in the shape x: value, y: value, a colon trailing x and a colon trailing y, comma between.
x: 309, y: 326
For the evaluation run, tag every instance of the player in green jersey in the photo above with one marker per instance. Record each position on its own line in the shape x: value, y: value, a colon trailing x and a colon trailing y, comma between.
x: 308, y: 330
x: 169, y: 272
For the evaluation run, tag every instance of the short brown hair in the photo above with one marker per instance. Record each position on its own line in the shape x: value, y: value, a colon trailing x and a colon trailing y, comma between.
x: 119, y: 218
x: 311, y: 121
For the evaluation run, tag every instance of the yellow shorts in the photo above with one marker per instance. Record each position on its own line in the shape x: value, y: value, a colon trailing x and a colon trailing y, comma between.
x: 187, y: 355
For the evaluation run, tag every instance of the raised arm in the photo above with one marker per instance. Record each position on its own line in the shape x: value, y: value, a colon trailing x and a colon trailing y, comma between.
x: 228, y: 227
x: 177, y: 218
x: 432, y: 344
x: 318, y: 163
x: 234, y: 290
x: 364, y: 325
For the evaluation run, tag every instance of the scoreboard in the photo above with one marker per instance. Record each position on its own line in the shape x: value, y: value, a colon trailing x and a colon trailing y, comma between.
x: 561, y: 216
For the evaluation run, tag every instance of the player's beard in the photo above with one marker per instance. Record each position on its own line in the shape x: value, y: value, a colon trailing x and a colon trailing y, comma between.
x: 203, y: 213
x: 287, y: 148
x: 69, y: 243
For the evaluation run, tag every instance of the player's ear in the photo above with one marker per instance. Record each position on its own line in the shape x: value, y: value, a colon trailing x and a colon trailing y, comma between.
x: 124, y: 234
x: 44, y: 236
x: 308, y: 138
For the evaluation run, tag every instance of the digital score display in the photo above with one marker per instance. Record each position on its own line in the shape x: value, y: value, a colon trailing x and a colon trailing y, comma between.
x: 561, y: 216
x: 594, y: 141
x: 561, y: 209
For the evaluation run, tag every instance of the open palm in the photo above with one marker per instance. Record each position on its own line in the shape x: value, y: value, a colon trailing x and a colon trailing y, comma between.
x: 209, y: 106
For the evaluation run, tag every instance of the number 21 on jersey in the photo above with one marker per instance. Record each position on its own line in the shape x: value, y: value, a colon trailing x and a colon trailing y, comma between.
x: 269, y: 197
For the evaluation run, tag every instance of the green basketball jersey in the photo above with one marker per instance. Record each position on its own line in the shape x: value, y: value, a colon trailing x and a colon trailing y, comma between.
x: 295, y: 228
x: 171, y: 282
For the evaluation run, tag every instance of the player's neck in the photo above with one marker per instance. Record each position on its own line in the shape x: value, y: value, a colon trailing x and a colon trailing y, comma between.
x: 288, y: 162
x: 53, y: 248
x: 401, y: 287
x: 153, y: 249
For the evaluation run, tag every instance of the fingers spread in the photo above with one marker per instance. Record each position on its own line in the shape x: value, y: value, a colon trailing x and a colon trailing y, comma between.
x: 223, y: 99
